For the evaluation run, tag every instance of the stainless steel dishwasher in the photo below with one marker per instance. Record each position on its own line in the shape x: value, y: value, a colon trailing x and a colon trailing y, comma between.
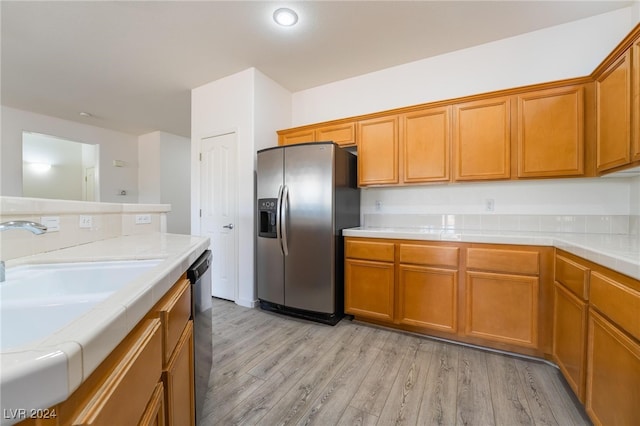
x: 200, y: 276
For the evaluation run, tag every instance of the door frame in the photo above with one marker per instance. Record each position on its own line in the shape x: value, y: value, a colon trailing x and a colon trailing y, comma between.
x: 198, y: 156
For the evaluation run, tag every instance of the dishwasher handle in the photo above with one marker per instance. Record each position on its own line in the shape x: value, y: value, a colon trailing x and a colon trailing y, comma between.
x: 199, y: 267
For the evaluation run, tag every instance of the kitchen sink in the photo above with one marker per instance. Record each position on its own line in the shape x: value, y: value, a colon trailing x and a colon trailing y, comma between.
x: 37, y: 300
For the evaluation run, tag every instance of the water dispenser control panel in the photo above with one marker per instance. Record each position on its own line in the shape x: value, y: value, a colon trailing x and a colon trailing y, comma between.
x: 267, y: 214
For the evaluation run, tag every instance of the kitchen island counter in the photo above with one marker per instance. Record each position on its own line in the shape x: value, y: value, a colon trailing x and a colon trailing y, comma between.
x: 41, y: 373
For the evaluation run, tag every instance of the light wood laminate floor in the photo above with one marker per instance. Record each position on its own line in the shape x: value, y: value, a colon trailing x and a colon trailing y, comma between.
x: 270, y: 369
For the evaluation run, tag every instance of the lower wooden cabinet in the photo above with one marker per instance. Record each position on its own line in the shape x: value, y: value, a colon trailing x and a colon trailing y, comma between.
x: 426, y: 287
x: 154, y: 415
x: 502, y: 308
x: 613, y: 374
x: 570, y: 337
x: 503, y: 293
x: 179, y: 381
x: 124, y: 394
x: 596, y: 335
x: 148, y: 379
x: 369, y: 289
x: 178, y: 373
x: 428, y: 298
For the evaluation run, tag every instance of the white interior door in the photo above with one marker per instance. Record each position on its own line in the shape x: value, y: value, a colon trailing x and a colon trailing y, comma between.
x: 89, y: 183
x: 218, y: 215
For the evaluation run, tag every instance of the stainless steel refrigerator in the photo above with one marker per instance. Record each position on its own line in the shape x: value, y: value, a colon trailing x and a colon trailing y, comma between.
x: 306, y: 195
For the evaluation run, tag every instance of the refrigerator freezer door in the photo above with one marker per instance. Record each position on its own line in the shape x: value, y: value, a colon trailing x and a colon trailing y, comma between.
x: 270, y: 261
x: 309, y: 265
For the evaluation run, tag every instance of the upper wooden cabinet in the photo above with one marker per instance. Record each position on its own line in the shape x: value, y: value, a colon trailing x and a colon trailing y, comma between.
x: 584, y: 126
x: 425, y: 142
x: 551, y: 132
x: 482, y: 139
x: 294, y: 137
x: 344, y: 134
x: 378, y: 151
x: 613, y: 114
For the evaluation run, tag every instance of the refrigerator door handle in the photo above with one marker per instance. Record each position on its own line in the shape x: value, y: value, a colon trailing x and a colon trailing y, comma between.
x: 278, y: 215
x: 283, y: 224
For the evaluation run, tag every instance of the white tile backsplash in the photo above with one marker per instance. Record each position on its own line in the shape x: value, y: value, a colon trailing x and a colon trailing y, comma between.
x: 593, y: 224
x: 109, y: 220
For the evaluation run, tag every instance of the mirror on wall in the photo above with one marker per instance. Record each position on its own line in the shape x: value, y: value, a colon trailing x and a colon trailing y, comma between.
x: 57, y: 168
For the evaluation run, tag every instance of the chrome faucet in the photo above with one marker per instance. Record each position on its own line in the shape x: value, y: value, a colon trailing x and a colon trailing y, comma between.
x: 35, y: 227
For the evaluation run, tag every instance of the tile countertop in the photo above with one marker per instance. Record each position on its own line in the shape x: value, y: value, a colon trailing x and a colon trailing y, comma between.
x: 615, y: 251
x: 42, y: 373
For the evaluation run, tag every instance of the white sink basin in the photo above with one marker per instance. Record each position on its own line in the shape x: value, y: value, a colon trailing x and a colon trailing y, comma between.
x: 38, y: 300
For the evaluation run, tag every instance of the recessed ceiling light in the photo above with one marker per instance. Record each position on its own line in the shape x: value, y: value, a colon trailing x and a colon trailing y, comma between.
x: 285, y: 17
x: 86, y: 114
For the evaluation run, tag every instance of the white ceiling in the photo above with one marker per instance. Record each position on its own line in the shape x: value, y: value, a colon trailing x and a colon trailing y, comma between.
x: 133, y: 64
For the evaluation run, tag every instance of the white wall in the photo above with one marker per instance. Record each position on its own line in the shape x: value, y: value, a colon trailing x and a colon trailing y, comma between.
x: 175, y: 181
x: 254, y: 107
x: 164, y: 176
x: 149, y: 168
x: 565, y: 51
x: 113, y: 146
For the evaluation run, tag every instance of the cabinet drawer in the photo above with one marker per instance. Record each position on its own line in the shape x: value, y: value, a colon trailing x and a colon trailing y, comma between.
x: 509, y: 261
x: 122, y: 398
x: 573, y: 276
x: 429, y: 255
x: 174, y: 312
x: 617, y: 301
x: 370, y: 250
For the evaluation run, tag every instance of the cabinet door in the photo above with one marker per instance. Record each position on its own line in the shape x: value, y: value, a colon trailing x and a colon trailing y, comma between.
x: 635, y: 97
x: 342, y: 134
x: 428, y: 298
x: 154, y: 415
x: 482, y: 140
x: 179, y: 383
x: 613, y: 114
x: 613, y: 374
x: 570, y: 337
x: 378, y: 151
x: 426, y: 144
x: 300, y: 136
x: 551, y: 132
x: 502, y: 308
x: 369, y: 289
